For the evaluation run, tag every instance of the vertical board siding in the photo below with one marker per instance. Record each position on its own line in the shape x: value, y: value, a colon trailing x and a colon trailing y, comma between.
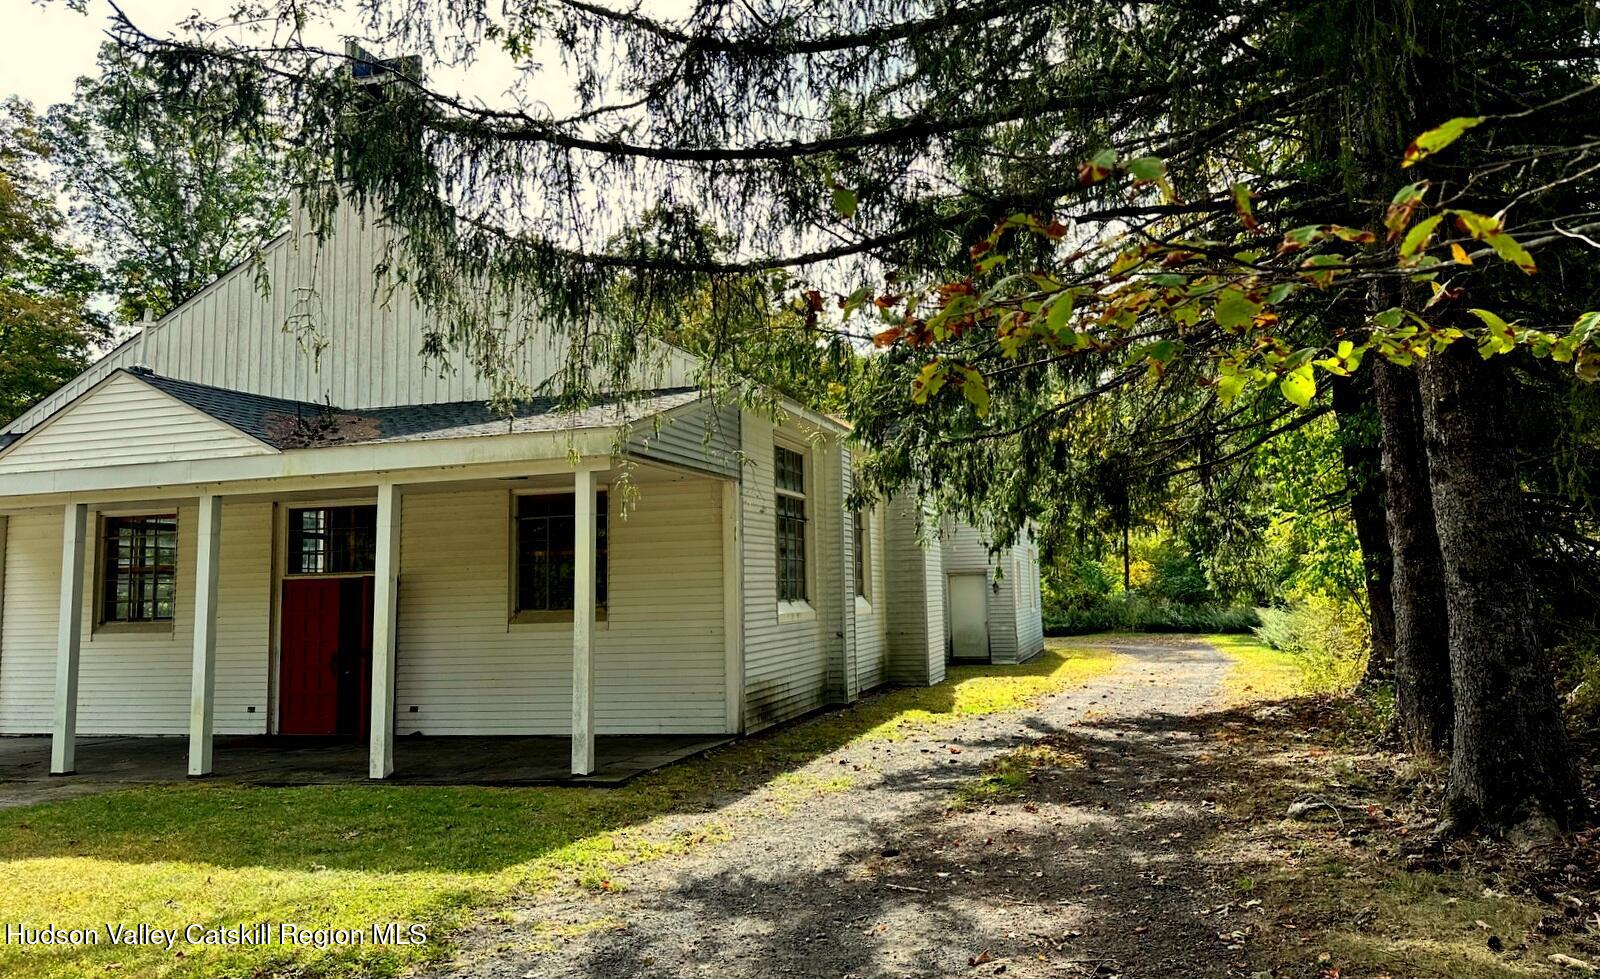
x: 785, y: 663
x: 126, y: 421
x: 326, y: 295
x: 659, y: 656
x: 133, y: 683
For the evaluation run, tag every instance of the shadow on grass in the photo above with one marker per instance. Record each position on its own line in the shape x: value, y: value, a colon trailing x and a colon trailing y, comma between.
x: 472, y: 830
x: 1138, y: 845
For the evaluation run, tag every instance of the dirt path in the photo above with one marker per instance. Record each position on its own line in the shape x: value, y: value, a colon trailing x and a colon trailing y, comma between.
x: 884, y: 878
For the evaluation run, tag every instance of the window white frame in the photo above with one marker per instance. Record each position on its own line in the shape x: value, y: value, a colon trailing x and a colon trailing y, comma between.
x: 517, y: 616
x: 796, y: 609
x: 98, y: 623
x: 861, y: 543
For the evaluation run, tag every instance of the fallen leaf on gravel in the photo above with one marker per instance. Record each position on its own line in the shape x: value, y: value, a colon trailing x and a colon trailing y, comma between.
x: 980, y: 958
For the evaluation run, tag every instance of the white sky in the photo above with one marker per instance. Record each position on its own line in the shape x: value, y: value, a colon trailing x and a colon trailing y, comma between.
x: 45, y: 48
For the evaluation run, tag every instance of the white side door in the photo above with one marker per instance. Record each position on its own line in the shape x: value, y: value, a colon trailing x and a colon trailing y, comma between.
x: 969, y: 616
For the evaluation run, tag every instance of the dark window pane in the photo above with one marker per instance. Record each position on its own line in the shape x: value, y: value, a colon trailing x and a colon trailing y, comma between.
x: 791, y: 470
x: 139, y: 568
x: 791, y: 549
x: 333, y: 540
x: 546, y: 528
x: 861, y: 554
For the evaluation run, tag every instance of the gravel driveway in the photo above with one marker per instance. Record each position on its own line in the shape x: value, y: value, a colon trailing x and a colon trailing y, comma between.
x: 884, y: 879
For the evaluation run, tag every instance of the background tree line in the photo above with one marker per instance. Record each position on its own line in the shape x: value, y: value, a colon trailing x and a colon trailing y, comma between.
x: 115, y: 206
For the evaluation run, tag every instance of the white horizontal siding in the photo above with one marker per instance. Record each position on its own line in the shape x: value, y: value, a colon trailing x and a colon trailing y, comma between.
x: 136, y: 683
x: 126, y: 421
x: 329, y: 329
x: 785, y: 663
x: 915, y: 625
x: 872, y: 648
x: 965, y: 551
x: 659, y: 656
x: 1029, y: 611
x: 699, y: 436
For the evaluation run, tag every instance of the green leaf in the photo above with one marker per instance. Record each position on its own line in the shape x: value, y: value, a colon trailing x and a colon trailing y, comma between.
x: 1418, y: 237
x: 1162, y: 351
x: 1234, y: 309
x: 1499, y: 338
x: 1060, y: 312
x: 1389, y: 318
x: 1154, y: 170
x: 976, y: 390
x: 844, y: 201
x: 1243, y: 207
x: 928, y: 382
x: 1098, y: 168
x: 1437, y: 139
x: 1147, y: 167
x: 1230, y: 386
x: 1299, y: 386
x: 1512, y: 251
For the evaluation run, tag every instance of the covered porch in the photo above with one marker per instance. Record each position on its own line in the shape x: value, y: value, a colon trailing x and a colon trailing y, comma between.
x: 419, y: 760
x: 633, y: 658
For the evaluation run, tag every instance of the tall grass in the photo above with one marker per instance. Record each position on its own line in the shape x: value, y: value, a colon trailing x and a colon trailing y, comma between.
x: 1327, y: 637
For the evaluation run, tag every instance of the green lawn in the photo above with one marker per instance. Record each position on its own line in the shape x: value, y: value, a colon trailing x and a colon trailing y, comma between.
x: 348, y: 856
x: 1259, y: 671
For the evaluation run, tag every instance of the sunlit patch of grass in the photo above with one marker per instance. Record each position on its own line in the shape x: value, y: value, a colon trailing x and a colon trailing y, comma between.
x: 350, y: 856
x: 969, y: 691
x: 1259, y: 671
x: 1417, y: 924
x: 1009, y: 775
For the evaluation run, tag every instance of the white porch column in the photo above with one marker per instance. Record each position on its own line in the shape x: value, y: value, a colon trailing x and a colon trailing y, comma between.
x: 5, y: 536
x: 203, y: 673
x: 733, y: 606
x: 69, y: 634
x: 385, y: 591
x: 583, y: 568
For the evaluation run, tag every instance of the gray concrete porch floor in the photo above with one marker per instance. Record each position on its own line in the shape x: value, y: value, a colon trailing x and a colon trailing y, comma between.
x: 262, y: 760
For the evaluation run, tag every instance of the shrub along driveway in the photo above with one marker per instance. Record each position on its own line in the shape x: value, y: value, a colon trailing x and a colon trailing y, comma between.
x: 348, y: 856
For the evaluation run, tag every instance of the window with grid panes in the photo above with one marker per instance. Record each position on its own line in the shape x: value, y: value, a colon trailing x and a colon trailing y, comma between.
x: 139, y: 568
x: 861, y: 554
x: 547, y: 555
x: 790, y: 485
x: 333, y: 540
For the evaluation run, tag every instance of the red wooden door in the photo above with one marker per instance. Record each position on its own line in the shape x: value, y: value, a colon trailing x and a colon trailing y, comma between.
x: 325, y: 666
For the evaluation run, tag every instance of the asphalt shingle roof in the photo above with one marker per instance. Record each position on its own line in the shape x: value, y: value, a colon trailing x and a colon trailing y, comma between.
x: 287, y: 424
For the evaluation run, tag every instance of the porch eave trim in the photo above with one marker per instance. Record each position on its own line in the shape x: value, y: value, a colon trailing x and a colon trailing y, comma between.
x: 419, y: 459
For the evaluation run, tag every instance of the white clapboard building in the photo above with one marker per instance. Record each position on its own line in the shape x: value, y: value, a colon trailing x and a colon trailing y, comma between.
x: 219, y: 528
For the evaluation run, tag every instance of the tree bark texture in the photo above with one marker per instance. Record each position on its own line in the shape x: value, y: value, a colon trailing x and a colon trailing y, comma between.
x: 1360, y: 447
x: 1510, y: 759
x: 1424, y: 709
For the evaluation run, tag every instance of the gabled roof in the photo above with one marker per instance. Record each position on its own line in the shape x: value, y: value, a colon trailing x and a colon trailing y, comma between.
x: 286, y: 424
x: 253, y: 414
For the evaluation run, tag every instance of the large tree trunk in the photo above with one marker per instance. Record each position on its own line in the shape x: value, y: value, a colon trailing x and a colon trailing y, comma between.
x: 1363, y: 465
x: 1510, y: 759
x: 1424, y: 710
